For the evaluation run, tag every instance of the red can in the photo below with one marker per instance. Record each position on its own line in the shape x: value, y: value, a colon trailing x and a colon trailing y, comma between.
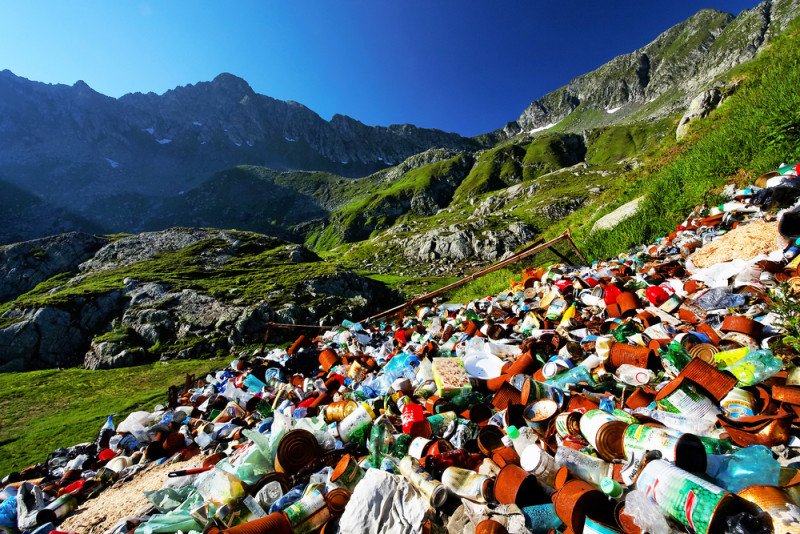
x: 411, y: 413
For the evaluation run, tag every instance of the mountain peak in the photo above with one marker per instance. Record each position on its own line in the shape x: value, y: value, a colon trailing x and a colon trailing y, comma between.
x: 232, y: 82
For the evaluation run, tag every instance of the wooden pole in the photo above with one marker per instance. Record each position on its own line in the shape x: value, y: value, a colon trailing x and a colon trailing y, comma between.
x: 530, y: 251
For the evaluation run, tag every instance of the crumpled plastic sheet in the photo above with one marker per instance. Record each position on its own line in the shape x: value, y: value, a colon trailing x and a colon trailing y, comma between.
x: 646, y: 513
x: 718, y: 275
x: 383, y: 503
x: 8, y: 512
x: 719, y: 298
x: 167, y: 499
x: 30, y: 499
x: 750, y: 466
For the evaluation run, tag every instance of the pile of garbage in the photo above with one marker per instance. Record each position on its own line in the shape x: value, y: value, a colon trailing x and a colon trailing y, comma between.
x: 648, y: 393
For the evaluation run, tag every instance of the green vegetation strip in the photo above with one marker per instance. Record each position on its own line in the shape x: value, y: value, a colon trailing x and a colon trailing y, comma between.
x: 752, y: 132
x: 41, y: 411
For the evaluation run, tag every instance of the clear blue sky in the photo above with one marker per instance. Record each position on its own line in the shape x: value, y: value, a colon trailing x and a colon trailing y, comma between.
x: 458, y: 65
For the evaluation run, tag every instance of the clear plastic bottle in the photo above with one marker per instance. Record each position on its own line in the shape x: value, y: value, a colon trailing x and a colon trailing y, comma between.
x: 633, y: 375
x: 521, y: 438
x: 588, y: 468
x: 576, y: 375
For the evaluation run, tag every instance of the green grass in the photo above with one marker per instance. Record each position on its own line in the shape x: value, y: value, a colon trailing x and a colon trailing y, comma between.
x: 495, y: 169
x: 412, y: 286
x: 41, y: 411
x: 616, y: 143
x: 753, y: 131
x: 259, y: 270
x: 377, y: 206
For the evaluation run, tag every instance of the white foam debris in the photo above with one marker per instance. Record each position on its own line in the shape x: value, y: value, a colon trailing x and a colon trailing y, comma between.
x: 151, y: 130
x: 197, y: 123
x: 112, y: 163
x: 291, y: 139
x: 164, y: 141
x: 613, y: 110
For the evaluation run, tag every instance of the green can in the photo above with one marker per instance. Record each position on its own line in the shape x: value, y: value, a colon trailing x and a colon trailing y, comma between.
x: 443, y: 424
x: 686, y: 498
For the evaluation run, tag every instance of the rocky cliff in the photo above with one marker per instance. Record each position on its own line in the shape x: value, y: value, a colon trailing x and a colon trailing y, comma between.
x: 663, y: 76
x: 181, y: 292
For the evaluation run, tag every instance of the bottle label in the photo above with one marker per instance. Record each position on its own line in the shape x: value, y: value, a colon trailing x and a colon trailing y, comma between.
x: 354, y: 422
x: 305, y: 507
x: 686, y: 498
x: 686, y: 400
x: 642, y: 438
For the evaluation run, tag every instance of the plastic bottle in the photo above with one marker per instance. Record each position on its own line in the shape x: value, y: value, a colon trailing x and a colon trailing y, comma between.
x: 467, y: 484
x: 576, y: 375
x: 437, y: 463
x: 539, y: 463
x: 756, y: 367
x: 106, y: 432
x: 633, y: 375
x: 521, y: 438
x: 434, y: 490
x: 377, y: 443
x: 674, y: 357
x: 354, y: 425
x: 611, y: 487
x: 592, y: 470
x: 254, y: 384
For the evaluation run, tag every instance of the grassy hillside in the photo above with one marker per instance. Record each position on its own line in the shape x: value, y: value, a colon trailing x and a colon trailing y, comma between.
x: 376, y: 206
x: 43, y: 410
x: 752, y: 132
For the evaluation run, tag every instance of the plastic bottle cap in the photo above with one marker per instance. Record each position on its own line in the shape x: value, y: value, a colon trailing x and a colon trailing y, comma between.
x: 611, y: 487
x: 512, y: 432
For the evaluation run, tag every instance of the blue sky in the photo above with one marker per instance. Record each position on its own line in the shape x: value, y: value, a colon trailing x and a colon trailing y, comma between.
x: 458, y: 65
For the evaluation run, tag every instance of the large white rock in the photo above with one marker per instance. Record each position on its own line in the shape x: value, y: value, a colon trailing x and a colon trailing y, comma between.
x: 623, y: 212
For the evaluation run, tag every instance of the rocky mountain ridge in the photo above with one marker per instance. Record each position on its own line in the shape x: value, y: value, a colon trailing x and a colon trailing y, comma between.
x: 110, y: 161
x: 660, y: 78
x: 75, y: 159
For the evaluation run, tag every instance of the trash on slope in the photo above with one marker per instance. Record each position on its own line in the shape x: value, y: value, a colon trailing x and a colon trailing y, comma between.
x: 645, y: 393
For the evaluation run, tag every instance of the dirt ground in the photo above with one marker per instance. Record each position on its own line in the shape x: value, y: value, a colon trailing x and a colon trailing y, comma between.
x: 121, y: 500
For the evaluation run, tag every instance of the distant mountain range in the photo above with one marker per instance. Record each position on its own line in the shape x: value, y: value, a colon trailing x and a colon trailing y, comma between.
x: 74, y: 159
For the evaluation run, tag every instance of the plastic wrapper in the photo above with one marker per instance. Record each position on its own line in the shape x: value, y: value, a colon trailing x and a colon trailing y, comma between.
x: 750, y: 466
x: 180, y: 521
x: 719, y: 298
x: 8, y: 513
x: 168, y: 499
x: 450, y: 376
x: 646, y: 514
x: 219, y: 487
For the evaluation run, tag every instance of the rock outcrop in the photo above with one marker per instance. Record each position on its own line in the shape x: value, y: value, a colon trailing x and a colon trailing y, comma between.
x: 699, y: 107
x: 23, y: 265
x: 474, y: 241
x: 183, y: 292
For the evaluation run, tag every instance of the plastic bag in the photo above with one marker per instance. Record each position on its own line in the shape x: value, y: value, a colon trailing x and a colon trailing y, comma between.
x: 646, y: 513
x: 168, y: 499
x: 750, y: 466
x: 8, y: 513
x: 718, y: 298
